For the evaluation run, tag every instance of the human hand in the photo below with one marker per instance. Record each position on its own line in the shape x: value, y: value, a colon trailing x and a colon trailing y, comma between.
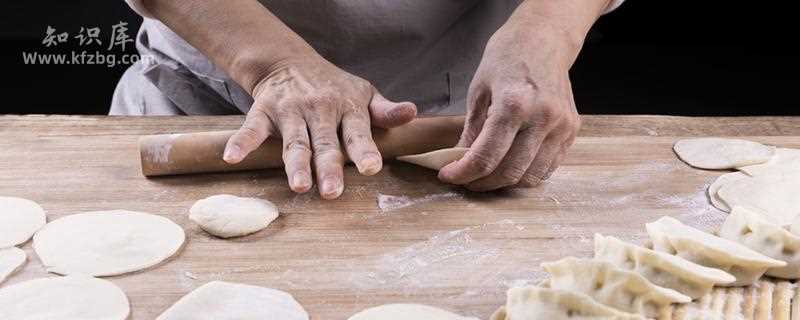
x: 521, y: 115
x: 308, y: 101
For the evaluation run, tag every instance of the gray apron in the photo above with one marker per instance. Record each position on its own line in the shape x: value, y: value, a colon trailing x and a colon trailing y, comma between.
x: 414, y: 50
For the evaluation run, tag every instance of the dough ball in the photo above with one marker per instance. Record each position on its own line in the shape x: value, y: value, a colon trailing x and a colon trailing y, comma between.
x: 228, y: 216
x: 406, y: 311
x: 107, y: 243
x: 719, y: 153
x: 220, y: 300
x: 11, y: 259
x: 75, y: 297
x: 19, y: 220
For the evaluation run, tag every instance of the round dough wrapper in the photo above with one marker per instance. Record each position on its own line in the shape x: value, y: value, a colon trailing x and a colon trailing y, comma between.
x: 19, y: 220
x: 435, y: 159
x: 228, y: 216
x: 718, y: 184
x: 719, y: 153
x: 785, y: 159
x: 773, y: 193
x: 219, y: 300
x: 107, y: 243
x: 75, y: 297
x: 406, y: 311
x: 11, y: 260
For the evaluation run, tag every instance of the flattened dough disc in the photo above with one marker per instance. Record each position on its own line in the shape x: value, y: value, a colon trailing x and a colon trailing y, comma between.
x: 721, y: 181
x: 406, y: 311
x: 719, y: 153
x: 19, y: 220
x: 219, y: 300
x: 107, y: 243
x: 435, y: 159
x: 75, y: 297
x: 784, y: 160
x: 11, y: 259
x: 775, y: 194
x: 227, y: 216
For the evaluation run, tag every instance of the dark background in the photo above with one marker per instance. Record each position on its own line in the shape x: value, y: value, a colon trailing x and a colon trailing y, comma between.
x: 648, y: 57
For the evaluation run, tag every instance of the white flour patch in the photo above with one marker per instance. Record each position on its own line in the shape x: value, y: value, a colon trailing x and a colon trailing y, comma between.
x: 388, y: 203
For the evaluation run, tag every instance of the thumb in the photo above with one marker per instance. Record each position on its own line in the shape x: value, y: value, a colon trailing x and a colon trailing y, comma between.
x: 387, y: 114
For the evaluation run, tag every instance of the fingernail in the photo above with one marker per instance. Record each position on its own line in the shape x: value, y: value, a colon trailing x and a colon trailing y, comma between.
x: 370, y: 165
x: 331, y: 188
x: 301, y: 181
x: 232, y: 153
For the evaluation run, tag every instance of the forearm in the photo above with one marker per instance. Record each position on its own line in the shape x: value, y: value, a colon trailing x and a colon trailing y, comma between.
x: 240, y: 36
x: 568, y: 19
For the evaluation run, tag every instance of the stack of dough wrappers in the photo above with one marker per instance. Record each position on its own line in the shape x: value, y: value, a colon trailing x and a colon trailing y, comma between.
x: 744, y: 271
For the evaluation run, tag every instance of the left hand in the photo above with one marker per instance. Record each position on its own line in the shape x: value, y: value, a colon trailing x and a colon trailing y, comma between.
x: 521, y: 115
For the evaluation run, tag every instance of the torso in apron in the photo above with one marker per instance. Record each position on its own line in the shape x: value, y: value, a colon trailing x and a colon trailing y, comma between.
x: 415, y: 50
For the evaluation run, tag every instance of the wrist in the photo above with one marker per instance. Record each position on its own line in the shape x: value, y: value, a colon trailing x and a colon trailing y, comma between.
x: 252, y: 65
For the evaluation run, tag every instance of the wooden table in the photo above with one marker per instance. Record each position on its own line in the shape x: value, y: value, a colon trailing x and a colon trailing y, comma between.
x: 449, y: 248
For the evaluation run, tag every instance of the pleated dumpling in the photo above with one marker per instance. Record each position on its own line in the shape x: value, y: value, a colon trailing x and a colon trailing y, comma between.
x: 660, y: 268
x: 671, y: 236
x: 606, y: 283
x: 535, y: 303
x: 751, y: 229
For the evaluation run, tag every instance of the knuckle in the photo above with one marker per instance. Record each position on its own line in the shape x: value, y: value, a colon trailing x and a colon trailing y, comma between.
x: 352, y: 138
x: 296, y: 145
x: 250, y: 134
x: 513, y: 103
x: 482, y: 164
x: 322, y: 100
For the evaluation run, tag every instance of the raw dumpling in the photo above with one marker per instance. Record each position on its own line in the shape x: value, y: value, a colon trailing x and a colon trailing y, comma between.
x: 402, y: 311
x: 724, y: 179
x: 751, y: 229
x: 228, y: 216
x: 719, y: 153
x: 774, y: 192
x: 617, y: 288
x: 660, y: 268
x: 534, y: 303
x: 785, y: 159
x: 671, y: 236
x: 435, y: 159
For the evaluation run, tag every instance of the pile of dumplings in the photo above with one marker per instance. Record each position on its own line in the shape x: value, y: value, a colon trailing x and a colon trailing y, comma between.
x: 680, y: 264
x: 627, y: 281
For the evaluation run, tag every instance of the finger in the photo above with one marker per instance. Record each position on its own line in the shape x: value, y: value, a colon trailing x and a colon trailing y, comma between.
x: 486, y: 152
x: 478, y: 101
x: 358, y: 143
x: 514, y: 165
x: 328, y: 157
x: 296, y: 152
x: 256, y: 128
x: 387, y: 114
x: 547, y: 160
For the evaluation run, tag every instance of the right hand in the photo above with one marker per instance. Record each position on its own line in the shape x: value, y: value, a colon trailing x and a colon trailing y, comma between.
x: 307, y: 101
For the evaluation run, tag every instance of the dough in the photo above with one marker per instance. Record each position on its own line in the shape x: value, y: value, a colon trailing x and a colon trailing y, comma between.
x: 227, y: 216
x: 784, y: 160
x: 773, y: 193
x: 220, y: 300
x: 534, y: 303
x: 107, y: 243
x: 617, y: 288
x: 19, y: 220
x: 724, y: 179
x: 435, y: 159
x: 406, y: 312
x: 718, y: 153
x: 11, y: 259
x: 75, y: 297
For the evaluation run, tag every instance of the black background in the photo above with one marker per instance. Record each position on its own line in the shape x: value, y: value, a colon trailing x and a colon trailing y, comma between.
x: 648, y: 57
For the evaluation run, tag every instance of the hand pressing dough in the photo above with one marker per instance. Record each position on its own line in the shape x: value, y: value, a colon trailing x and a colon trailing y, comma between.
x: 220, y: 300
x: 406, y: 312
x: 723, y: 180
x: 75, y: 297
x: 785, y: 159
x: 435, y: 160
x: 773, y: 193
x: 19, y: 220
x: 107, y: 243
x: 11, y: 260
x: 228, y: 216
x: 718, y: 153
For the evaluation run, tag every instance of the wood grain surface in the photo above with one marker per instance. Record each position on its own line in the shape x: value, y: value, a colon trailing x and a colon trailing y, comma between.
x: 447, y: 248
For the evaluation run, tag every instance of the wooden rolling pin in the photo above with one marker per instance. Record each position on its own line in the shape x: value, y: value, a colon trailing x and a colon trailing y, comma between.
x: 171, y: 154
